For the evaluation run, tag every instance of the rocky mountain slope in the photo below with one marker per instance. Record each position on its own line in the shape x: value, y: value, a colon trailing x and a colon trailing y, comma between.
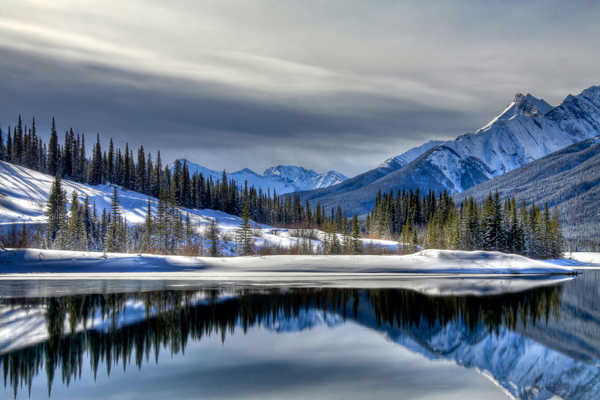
x: 527, y: 129
x: 568, y: 179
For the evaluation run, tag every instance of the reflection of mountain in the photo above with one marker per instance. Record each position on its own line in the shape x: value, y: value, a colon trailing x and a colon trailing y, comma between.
x: 522, y: 366
x: 519, y: 340
x: 305, y: 319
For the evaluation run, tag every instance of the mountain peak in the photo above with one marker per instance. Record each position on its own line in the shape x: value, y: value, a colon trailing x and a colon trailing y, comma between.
x: 530, y: 105
x: 522, y: 104
x: 593, y: 94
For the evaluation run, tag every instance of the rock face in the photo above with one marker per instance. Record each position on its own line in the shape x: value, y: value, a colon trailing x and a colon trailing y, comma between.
x: 528, y: 129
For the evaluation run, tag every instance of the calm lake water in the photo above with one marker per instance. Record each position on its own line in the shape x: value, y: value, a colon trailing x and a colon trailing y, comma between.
x: 130, y: 340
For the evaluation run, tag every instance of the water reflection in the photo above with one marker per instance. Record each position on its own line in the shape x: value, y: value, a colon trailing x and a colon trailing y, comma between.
x: 123, y: 329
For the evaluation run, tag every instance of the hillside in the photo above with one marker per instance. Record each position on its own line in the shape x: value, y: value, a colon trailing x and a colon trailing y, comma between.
x: 568, y: 179
x: 24, y: 193
x: 527, y: 129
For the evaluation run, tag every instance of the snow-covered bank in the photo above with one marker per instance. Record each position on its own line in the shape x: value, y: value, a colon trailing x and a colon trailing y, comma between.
x: 585, y: 257
x: 434, y: 262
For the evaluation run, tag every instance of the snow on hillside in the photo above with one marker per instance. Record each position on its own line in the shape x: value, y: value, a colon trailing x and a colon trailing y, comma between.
x: 281, y: 179
x: 24, y: 193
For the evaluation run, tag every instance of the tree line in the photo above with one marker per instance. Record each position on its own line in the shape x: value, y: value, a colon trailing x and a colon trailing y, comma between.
x: 142, y: 172
x: 415, y: 219
x: 435, y: 221
x: 166, y: 231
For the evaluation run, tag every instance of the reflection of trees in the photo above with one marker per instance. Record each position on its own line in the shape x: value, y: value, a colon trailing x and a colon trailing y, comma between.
x: 172, y: 318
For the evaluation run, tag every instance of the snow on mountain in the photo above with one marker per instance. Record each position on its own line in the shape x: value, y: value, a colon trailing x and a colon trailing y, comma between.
x: 526, y: 130
x: 527, y: 105
x: 407, y: 157
x: 281, y: 179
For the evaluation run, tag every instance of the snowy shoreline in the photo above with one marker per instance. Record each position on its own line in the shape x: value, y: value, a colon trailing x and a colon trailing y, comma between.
x: 44, y: 264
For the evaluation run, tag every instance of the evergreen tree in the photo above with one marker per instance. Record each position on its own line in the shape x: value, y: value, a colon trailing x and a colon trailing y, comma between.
x: 114, y: 229
x: 147, y: 240
x: 356, y: 244
x: 213, y: 238
x: 189, y: 240
x: 53, y: 151
x: 96, y: 173
x: 556, y: 236
x: 56, y: 212
x: 492, y: 224
x: 244, y: 234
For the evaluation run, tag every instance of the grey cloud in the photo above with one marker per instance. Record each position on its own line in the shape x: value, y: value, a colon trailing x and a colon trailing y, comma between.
x: 245, y: 130
x: 328, y: 84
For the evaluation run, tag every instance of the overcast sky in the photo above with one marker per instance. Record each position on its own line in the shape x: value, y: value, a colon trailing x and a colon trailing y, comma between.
x: 324, y: 84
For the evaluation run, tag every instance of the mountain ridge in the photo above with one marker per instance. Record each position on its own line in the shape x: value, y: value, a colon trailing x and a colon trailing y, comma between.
x: 280, y: 178
x: 526, y: 130
x: 568, y: 179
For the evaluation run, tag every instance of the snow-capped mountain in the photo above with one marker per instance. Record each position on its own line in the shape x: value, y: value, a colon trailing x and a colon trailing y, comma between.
x: 526, y: 130
x: 281, y: 179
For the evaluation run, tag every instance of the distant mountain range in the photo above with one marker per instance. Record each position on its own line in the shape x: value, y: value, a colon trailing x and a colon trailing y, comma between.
x: 281, y: 179
x: 528, y: 129
x: 568, y: 179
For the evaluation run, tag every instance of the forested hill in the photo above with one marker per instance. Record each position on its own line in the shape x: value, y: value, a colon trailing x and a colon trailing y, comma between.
x: 568, y: 179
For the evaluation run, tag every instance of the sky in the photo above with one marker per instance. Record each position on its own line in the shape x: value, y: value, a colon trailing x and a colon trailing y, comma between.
x: 325, y: 84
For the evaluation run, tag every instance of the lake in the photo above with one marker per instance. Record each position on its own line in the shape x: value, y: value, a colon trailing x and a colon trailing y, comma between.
x: 188, y: 340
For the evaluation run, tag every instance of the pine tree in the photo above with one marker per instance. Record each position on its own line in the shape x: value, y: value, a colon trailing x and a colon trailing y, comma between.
x: 356, y: 246
x: 56, y: 212
x: 213, y: 238
x: 114, y: 229
x: 53, y: 151
x: 96, y: 174
x: 406, y: 237
x: 147, y: 240
x: 244, y: 234
x: 111, y: 162
x: 556, y: 236
x: 74, y: 231
x: 492, y: 224
x: 189, y: 240
x: 140, y: 171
